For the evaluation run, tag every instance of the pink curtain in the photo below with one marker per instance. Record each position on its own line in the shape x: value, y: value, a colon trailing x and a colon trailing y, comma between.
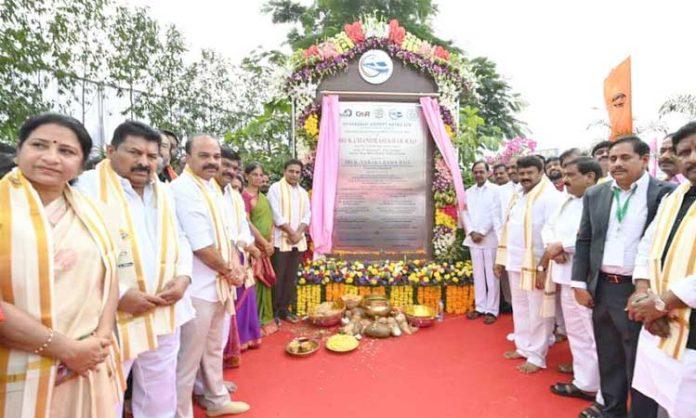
x: 325, y: 176
x: 431, y: 110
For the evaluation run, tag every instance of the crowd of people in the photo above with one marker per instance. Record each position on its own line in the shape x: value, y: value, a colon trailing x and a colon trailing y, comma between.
x: 594, y: 249
x: 131, y: 267
x: 187, y: 267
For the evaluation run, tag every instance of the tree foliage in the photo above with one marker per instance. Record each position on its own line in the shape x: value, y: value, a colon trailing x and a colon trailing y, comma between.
x: 493, y: 102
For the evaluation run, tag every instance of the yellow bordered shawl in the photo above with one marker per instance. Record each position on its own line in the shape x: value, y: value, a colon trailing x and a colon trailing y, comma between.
x: 223, y: 242
x: 501, y: 253
x: 139, y: 333
x: 680, y: 262
x: 27, y: 281
x: 529, y: 262
x: 286, y: 210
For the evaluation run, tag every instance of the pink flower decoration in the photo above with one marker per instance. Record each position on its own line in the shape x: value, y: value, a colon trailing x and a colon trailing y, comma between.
x: 312, y: 51
x: 396, y: 33
x: 355, y: 32
x: 442, y: 53
x: 327, y: 50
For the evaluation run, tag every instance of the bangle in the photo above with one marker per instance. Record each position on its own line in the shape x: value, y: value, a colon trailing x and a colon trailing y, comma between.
x: 46, y: 343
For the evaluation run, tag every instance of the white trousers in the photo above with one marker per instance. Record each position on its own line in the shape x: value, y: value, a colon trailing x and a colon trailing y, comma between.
x: 578, y: 325
x: 532, y: 332
x: 198, y: 385
x: 671, y: 383
x: 560, y: 321
x: 154, y: 380
x: 201, y: 349
x: 486, y: 285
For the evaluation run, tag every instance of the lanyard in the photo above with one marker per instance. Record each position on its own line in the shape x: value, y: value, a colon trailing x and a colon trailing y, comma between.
x: 621, y: 210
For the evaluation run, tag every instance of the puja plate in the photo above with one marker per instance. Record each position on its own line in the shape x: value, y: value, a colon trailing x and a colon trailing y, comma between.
x: 302, y: 346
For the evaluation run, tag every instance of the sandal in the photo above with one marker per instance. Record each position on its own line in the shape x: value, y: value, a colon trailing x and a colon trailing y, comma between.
x: 571, y: 391
x: 592, y: 411
x: 473, y: 315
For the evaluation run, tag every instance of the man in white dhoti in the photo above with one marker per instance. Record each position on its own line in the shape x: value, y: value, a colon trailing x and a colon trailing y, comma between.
x: 519, y: 251
x: 481, y: 221
x: 204, y: 216
x: 559, y: 236
x: 665, y: 276
x: 153, y: 302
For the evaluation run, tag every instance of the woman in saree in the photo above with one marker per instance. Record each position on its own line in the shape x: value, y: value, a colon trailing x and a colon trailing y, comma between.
x: 245, y: 330
x: 58, y: 264
x: 261, y: 224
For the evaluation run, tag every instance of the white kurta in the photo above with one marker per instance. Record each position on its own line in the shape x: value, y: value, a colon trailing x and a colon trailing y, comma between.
x: 154, y: 372
x: 671, y: 383
x: 563, y: 228
x: 193, y: 216
x: 532, y: 331
x: 297, y: 194
x: 483, y: 216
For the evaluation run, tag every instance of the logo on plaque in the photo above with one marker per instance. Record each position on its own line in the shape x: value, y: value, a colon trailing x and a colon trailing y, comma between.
x: 376, y: 66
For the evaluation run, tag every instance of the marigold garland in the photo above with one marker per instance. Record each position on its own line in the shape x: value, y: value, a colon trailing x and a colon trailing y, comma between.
x: 430, y: 296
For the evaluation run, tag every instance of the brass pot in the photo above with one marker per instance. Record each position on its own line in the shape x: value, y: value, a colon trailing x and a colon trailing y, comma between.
x: 376, y: 305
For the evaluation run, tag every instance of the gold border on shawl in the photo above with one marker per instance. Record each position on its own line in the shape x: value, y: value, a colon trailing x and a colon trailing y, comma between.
x: 5, y: 274
x: 107, y: 171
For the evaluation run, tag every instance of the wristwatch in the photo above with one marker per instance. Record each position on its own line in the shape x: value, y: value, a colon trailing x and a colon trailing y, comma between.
x: 660, y: 305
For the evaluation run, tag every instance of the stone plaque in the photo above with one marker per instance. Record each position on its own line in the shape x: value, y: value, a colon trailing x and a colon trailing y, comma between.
x: 383, y: 189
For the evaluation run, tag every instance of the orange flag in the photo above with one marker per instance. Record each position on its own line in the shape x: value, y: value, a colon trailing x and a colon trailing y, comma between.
x: 617, y: 97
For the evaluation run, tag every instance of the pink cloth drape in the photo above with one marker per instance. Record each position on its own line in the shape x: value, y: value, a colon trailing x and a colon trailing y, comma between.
x: 431, y: 110
x: 325, y: 176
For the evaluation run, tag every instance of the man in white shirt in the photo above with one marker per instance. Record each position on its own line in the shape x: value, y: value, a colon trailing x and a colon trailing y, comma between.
x: 481, y: 221
x: 520, y: 248
x: 204, y: 216
x: 615, y: 215
x: 126, y: 183
x: 665, y: 276
x: 559, y: 236
x: 291, y: 215
x: 512, y: 171
x: 505, y: 190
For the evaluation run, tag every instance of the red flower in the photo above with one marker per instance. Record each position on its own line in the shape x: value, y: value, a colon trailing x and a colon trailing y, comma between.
x: 442, y: 53
x: 450, y: 210
x: 396, y: 33
x: 355, y: 32
x: 312, y: 51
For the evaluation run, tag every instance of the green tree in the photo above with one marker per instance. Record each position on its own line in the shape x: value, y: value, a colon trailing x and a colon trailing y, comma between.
x: 325, y: 18
x: 493, y: 99
x: 134, y: 38
x: 23, y: 57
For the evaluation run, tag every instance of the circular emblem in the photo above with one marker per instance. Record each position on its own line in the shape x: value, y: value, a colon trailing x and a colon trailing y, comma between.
x: 376, y: 66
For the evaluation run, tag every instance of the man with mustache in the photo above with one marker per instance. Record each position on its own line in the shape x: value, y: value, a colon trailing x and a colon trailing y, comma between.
x: 669, y: 163
x: 481, y: 221
x: 559, y: 238
x: 553, y: 172
x: 614, y: 218
x: 512, y: 170
x: 205, y: 217
x: 519, y: 251
x: 600, y: 152
x: 153, y: 301
x: 665, y: 273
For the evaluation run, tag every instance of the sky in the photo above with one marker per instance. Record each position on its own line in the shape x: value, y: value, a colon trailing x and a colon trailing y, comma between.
x: 555, y: 54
